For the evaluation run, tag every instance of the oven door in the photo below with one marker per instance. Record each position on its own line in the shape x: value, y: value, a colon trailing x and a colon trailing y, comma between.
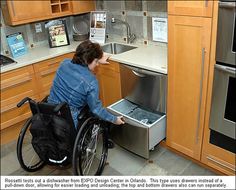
x: 226, y: 37
x: 223, y: 106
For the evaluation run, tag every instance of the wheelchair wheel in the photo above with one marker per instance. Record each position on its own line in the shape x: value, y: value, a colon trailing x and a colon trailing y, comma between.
x: 90, y: 148
x: 27, y: 157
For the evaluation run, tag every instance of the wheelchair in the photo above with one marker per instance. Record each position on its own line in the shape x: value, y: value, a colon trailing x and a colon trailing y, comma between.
x: 89, y: 141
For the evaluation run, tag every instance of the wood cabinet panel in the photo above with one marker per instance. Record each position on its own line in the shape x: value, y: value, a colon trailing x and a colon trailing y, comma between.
x: 109, y: 83
x: 83, y: 6
x: 45, y: 72
x: 188, y: 60
x: 16, y: 85
x: 191, y: 8
x: 20, y: 12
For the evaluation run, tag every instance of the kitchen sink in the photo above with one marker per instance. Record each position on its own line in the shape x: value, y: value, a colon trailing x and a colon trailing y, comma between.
x: 116, y: 48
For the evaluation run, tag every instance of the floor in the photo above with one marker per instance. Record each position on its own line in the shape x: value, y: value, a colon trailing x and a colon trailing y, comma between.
x: 162, y: 162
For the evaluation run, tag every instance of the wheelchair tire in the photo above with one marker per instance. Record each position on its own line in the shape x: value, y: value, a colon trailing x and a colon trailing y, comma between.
x: 90, y: 148
x: 27, y: 157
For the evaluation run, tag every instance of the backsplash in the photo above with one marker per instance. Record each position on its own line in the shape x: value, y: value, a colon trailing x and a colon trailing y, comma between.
x: 137, y: 13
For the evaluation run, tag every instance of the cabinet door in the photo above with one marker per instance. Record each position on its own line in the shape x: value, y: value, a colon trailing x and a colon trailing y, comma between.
x: 188, y: 60
x: 19, y: 12
x: 83, y: 6
x: 191, y: 8
x: 109, y: 83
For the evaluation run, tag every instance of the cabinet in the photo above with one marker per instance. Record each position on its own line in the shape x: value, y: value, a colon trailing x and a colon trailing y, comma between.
x: 32, y: 81
x: 108, y: 76
x: 188, y: 61
x: 20, y: 12
x: 15, y: 85
x: 60, y: 8
x: 83, y: 6
x: 191, y: 8
x: 45, y: 72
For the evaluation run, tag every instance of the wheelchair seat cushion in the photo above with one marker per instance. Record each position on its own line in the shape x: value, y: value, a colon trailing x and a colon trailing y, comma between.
x: 51, y: 139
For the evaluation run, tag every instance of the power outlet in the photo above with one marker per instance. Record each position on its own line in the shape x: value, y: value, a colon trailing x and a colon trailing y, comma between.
x: 38, y: 28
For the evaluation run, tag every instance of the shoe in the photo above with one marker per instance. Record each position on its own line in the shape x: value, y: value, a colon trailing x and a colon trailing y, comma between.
x: 110, y: 144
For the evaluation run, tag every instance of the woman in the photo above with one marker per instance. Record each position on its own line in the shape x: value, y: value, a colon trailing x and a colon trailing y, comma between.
x: 75, y: 83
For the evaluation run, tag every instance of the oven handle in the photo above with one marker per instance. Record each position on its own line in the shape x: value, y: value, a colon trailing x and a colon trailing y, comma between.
x: 229, y: 70
x: 229, y: 5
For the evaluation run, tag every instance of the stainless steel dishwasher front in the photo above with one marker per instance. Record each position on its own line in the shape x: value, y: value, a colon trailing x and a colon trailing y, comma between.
x: 144, y: 109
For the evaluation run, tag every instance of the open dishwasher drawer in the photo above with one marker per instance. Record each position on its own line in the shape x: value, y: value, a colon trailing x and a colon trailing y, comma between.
x: 143, y: 128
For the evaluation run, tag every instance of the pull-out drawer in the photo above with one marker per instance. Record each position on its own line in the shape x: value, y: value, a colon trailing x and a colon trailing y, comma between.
x: 143, y: 128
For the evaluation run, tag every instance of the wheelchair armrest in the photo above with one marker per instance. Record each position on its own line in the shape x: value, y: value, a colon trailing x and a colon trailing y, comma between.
x: 23, y: 101
x: 58, y: 107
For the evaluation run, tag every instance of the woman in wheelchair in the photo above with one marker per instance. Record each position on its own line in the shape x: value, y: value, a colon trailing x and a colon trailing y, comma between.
x: 74, y: 87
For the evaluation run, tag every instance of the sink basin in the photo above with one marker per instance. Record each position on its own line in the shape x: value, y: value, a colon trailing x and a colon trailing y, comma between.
x: 115, y: 48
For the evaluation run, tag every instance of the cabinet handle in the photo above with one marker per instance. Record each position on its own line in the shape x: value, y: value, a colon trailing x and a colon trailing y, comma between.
x: 224, y: 165
x: 20, y: 81
x: 206, y: 3
x: 200, y: 101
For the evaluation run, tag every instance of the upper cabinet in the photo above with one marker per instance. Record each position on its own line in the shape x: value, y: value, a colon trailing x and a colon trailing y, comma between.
x: 191, y: 8
x: 83, y: 6
x: 20, y: 12
x: 60, y: 8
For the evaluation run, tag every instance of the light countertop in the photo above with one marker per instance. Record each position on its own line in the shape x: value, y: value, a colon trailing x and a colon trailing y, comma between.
x: 150, y: 57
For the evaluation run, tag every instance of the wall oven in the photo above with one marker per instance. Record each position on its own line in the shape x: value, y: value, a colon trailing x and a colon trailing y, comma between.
x: 223, y: 108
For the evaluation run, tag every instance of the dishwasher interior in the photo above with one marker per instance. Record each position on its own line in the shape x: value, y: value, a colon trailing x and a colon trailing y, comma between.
x: 144, y: 109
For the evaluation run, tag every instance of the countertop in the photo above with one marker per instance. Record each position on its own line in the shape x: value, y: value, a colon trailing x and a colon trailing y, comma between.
x: 150, y: 57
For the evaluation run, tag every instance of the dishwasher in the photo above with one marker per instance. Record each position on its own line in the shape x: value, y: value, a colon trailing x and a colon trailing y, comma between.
x: 143, y: 106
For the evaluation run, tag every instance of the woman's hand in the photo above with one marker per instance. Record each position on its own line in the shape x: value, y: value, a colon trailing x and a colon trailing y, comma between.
x: 104, y: 58
x: 119, y: 120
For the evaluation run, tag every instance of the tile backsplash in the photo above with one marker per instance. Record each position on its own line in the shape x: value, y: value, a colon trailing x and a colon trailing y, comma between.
x: 137, y: 13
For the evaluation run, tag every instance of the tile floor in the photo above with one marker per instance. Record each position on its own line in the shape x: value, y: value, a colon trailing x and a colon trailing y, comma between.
x: 120, y: 162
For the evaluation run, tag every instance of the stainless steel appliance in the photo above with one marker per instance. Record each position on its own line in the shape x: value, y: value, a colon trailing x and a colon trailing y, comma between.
x: 223, y: 108
x: 143, y: 108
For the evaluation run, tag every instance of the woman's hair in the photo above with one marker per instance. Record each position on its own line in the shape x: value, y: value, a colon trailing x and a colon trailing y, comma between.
x: 86, y: 52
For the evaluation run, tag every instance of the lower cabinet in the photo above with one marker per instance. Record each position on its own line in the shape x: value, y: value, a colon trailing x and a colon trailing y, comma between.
x: 35, y: 81
x: 15, y: 85
x: 32, y: 81
x: 108, y: 76
x: 45, y: 72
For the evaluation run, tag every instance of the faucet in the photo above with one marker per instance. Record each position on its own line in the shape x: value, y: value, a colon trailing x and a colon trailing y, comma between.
x: 130, y: 37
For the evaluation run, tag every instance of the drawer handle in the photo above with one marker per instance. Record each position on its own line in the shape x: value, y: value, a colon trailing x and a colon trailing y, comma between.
x: 224, y: 165
x: 47, y: 72
x: 12, y: 84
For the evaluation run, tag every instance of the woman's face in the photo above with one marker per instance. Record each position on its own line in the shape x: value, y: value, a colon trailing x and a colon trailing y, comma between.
x: 93, y: 65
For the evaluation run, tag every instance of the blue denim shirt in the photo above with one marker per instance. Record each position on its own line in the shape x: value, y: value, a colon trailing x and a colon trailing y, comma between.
x: 77, y: 85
